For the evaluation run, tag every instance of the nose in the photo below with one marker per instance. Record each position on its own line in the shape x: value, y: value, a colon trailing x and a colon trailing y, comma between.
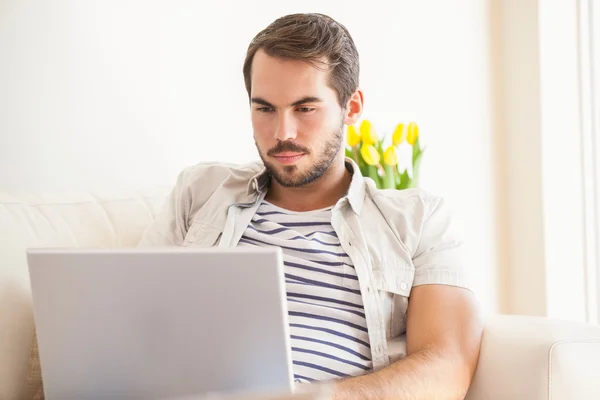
x: 286, y: 128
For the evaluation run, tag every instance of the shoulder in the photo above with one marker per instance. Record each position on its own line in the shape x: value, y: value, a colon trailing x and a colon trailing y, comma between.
x: 197, y: 183
x: 212, y: 174
x: 416, y: 201
x: 418, y: 216
x: 208, y: 176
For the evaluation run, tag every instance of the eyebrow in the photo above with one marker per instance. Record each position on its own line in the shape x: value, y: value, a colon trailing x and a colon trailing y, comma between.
x: 304, y: 100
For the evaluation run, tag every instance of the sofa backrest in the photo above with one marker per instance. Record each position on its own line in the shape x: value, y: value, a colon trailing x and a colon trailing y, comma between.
x: 116, y: 219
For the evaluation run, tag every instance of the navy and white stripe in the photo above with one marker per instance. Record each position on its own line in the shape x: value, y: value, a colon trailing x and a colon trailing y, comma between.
x: 327, y: 319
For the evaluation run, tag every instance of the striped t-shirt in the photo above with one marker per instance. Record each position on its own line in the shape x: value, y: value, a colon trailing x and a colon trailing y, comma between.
x: 327, y: 320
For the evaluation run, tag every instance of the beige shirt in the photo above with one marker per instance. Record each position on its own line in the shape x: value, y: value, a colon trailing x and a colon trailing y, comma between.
x: 396, y: 239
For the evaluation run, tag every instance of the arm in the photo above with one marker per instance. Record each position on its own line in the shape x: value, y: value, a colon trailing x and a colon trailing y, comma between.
x: 444, y: 329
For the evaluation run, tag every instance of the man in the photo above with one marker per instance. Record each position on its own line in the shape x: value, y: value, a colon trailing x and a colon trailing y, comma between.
x: 376, y: 291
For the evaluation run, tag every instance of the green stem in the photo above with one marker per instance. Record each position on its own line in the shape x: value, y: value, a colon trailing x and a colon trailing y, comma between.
x: 355, y: 155
x: 373, y: 175
x: 389, y: 179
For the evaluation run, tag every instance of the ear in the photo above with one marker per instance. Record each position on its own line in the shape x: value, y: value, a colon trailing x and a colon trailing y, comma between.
x: 354, y: 108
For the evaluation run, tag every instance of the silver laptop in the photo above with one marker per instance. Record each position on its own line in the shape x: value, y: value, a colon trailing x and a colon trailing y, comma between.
x: 160, y: 323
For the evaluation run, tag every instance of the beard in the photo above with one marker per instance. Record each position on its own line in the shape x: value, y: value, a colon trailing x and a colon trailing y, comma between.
x: 289, y: 175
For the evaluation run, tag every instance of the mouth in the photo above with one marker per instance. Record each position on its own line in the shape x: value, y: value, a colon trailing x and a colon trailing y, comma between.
x: 288, y: 157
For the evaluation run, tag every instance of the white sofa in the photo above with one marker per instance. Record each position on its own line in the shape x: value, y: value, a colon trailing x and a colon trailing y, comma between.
x: 521, y: 358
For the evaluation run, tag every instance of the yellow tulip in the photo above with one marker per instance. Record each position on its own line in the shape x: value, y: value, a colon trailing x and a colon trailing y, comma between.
x: 412, y: 133
x: 352, y: 137
x: 398, y: 135
x: 367, y: 133
x: 389, y: 156
x: 370, y: 154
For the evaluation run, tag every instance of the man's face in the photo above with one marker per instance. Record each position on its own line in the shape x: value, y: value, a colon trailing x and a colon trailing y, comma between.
x: 296, y: 117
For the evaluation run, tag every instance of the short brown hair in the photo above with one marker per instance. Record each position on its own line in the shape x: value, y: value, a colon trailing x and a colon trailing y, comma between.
x: 311, y: 38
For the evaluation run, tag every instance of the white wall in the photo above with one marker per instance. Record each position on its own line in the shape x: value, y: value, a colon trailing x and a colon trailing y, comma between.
x: 129, y: 92
x: 545, y: 154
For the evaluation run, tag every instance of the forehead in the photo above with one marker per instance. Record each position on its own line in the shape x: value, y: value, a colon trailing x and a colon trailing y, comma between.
x: 277, y: 79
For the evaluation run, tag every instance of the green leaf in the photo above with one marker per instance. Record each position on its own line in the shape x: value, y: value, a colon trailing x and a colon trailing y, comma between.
x: 404, y: 181
x: 364, y: 170
x: 379, y: 146
x: 416, y: 150
x: 397, y: 176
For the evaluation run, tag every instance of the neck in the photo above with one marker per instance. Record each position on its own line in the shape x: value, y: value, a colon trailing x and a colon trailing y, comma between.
x: 324, y: 192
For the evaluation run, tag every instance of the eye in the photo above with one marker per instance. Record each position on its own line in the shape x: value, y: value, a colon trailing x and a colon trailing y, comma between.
x: 264, y: 109
x: 305, y: 109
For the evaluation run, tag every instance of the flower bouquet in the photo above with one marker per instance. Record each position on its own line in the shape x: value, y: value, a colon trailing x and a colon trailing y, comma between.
x: 379, y: 161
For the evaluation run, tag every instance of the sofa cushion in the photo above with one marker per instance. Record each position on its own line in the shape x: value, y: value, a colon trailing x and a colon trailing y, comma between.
x: 115, y: 219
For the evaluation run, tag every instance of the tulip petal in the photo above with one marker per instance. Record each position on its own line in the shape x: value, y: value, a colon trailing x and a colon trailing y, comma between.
x: 370, y: 154
x: 352, y: 137
x: 367, y: 133
x: 390, y: 157
x: 412, y: 133
x: 398, y: 135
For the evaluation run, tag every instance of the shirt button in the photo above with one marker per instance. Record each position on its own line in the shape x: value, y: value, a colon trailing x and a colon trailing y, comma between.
x: 403, y: 286
x: 368, y: 289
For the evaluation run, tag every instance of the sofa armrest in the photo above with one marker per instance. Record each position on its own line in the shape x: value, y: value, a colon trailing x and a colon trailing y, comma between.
x: 535, y: 358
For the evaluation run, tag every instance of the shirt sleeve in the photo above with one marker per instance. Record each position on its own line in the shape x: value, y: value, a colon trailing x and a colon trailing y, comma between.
x: 438, y: 258
x: 171, y: 223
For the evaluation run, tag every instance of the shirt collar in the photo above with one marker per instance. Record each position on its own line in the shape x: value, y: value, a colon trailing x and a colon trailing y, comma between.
x: 357, y: 189
x: 356, y: 192
x: 259, y: 182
